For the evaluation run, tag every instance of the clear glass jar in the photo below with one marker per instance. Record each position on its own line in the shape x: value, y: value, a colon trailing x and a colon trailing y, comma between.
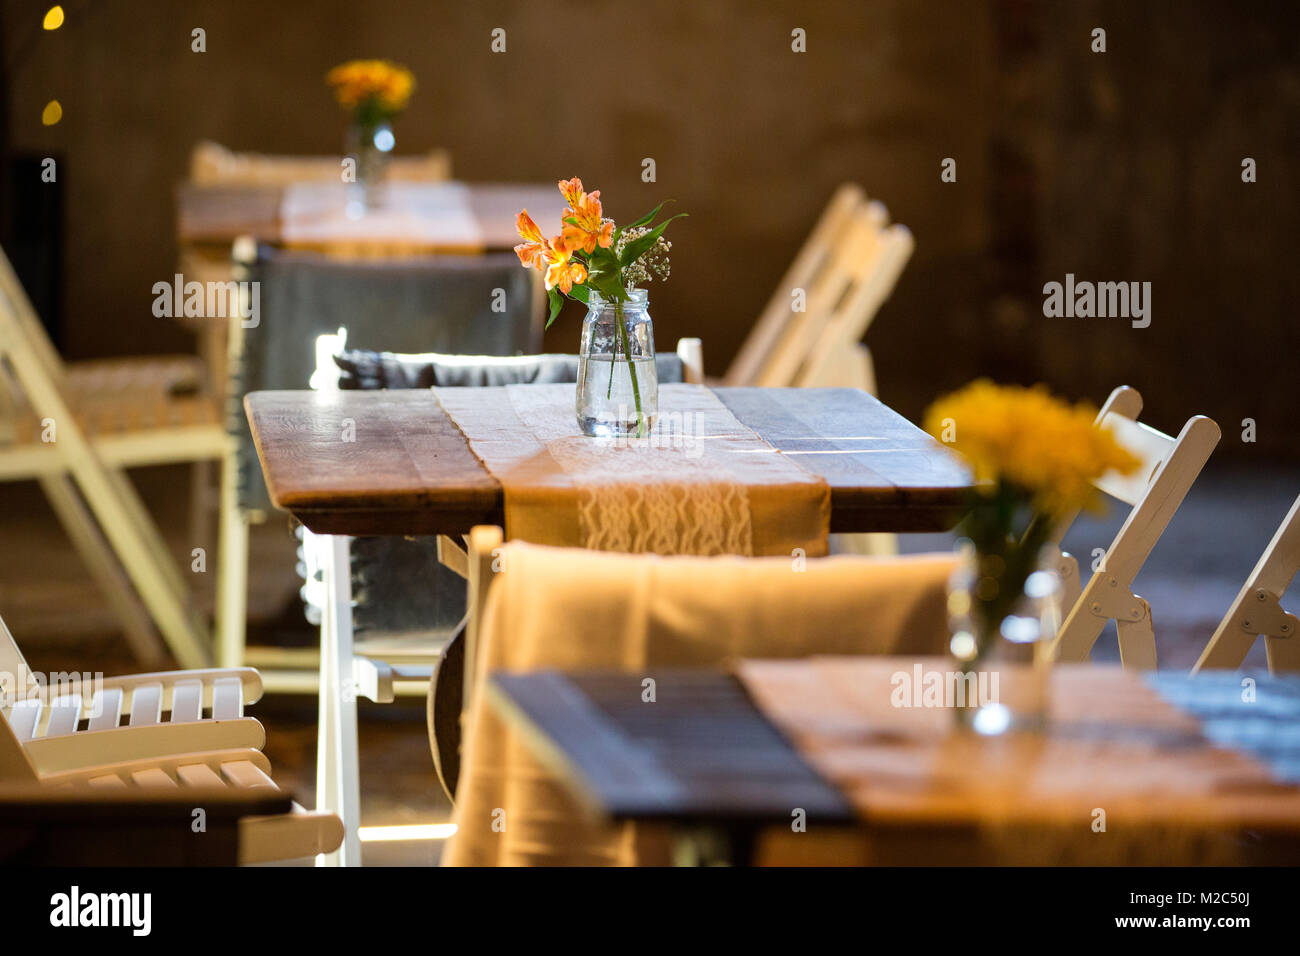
x: 370, y: 145
x: 1005, y: 663
x: 618, y: 386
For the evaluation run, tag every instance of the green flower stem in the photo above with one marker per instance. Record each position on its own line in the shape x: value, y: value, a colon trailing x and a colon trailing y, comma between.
x: 631, y: 368
x: 613, y: 359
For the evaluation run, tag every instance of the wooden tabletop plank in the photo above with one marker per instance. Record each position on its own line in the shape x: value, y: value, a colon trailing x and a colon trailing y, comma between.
x: 885, y: 473
x: 385, y: 462
x: 409, y: 470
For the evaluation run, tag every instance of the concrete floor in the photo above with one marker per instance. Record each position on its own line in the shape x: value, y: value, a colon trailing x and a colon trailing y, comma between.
x: 62, y: 622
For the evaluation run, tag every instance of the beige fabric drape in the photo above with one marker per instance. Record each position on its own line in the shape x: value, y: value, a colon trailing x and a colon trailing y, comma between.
x: 703, y: 483
x: 569, y: 609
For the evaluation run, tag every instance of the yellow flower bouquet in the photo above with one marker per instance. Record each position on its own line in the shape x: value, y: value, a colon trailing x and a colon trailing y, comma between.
x: 1035, y: 459
x: 373, y: 92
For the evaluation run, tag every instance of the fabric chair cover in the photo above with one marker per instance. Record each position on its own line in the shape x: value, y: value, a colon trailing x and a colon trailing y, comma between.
x: 567, y: 609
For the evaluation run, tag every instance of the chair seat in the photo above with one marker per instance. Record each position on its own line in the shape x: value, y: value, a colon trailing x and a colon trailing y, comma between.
x: 102, y: 415
x: 157, y: 374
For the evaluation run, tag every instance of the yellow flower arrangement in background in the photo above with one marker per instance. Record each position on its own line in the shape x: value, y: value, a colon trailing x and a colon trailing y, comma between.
x: 1050, y: 449
x: 1034, y: 458
x: 378, y: 88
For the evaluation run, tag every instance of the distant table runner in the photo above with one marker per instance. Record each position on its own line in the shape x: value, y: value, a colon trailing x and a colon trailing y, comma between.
x: 1115, y: 744
x: 706, y: 485
x: 436, y: 215
x: 221, y: 213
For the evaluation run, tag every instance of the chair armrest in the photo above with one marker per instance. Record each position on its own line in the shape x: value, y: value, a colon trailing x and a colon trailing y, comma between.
x: 250, y: 682
x: 94, y: 748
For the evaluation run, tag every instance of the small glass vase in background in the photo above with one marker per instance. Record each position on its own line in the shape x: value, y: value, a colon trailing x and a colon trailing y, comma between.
x: 618, y: 386
x: 1002, y: 655
x: 370, y: 145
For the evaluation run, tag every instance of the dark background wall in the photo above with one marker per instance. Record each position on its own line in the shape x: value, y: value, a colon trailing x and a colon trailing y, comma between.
x: 1117, y: 166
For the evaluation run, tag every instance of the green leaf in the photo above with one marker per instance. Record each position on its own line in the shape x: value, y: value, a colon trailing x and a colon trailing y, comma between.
x: 557, y: 303
x: 580, y: 292
x: 647, y: 218
x: 638, y: 247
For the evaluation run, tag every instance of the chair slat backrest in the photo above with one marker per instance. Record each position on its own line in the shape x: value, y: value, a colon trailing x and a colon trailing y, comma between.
x: 757, y: 348
x: 1151, y: 447
x: 846, y: 269
x: 849, y: 318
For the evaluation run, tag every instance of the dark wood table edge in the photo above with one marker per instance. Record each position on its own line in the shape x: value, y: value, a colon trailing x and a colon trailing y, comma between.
x: 516, y: 696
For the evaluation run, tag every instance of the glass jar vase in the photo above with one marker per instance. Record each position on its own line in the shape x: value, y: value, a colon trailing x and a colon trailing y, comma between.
x: 618, y: 386
x: 1002, y: 658
x: 370, y: 145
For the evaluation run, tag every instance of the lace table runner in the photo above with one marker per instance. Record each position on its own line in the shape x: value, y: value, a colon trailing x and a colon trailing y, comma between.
x: 702, y: 483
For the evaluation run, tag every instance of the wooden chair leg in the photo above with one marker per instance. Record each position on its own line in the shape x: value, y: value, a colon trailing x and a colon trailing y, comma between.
x: 1137, y: 642
x: 1078, y: 634
x: 103, y: 566
x: 149, y: 534
x: 179, y: 626
x: 1071, y: 586
x: 1283, y: 654
x: 232, y: 570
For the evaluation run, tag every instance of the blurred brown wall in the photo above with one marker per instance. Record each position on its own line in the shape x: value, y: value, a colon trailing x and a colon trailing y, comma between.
x: 1118, y: 166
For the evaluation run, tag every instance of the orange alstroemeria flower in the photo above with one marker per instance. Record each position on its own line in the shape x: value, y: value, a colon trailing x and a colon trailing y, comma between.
x: 585, y: 208
x: 590, y: 231
x: 572, y: 191
x: 561, y: 269
x: 530, y: 251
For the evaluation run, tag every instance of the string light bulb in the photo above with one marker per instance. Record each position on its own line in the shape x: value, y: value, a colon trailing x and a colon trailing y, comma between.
x: 53, y: 18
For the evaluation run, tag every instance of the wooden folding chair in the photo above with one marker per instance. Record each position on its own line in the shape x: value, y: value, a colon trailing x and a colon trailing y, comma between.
x: 79, y: 452
x: 349, y: 668
x: 1154, y: 490
x: 845, y: 270
x: 1257, y: 610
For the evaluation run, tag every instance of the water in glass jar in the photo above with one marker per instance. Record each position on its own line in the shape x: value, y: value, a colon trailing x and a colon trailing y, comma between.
x: 607, y: 408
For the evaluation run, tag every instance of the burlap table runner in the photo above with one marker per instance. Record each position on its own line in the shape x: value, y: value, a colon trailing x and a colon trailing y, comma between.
x: 1122, y: 776
x: 702, y: 483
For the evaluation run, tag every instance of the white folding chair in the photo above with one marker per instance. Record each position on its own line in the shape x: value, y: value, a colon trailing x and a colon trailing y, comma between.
x: 179, y: 729
x: 843, y: 273
x: 1257, y: 610
x: 1154, y: 490
x: 79, y: 453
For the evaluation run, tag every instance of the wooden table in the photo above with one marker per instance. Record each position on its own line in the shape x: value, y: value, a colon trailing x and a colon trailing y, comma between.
x: 217, y: 215
x: 705, y: 755
x: 411, y: 471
